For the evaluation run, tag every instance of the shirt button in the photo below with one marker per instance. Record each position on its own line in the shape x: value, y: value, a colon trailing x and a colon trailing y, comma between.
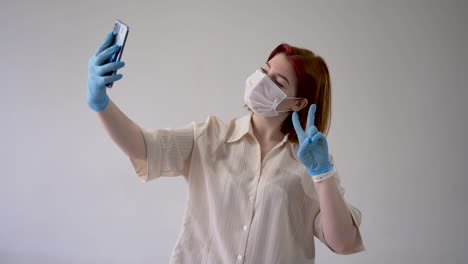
x: 251, y: 198
x: 245, y: 227
x: 239, y: 257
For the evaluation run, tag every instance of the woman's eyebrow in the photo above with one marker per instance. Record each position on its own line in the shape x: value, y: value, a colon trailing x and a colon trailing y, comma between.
x: 267, y: 63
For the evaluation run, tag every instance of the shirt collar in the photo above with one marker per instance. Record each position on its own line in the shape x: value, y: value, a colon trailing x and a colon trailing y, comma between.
x: 242, y: 126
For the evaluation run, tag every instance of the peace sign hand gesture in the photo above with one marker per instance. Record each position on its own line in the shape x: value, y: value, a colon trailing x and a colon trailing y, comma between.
x: 313, y: 146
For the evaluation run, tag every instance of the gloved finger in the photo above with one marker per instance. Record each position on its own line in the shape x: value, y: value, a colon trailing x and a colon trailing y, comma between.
x: 106, y: 54
x: 321, y: 146
x: 311, y: 116
x: 112, y: 78
x: 305, y: 151
x: 108, y: 40
x: 311, y: 131
x: 320, y: 140
x: 106, y: 68
x: 301, y: 135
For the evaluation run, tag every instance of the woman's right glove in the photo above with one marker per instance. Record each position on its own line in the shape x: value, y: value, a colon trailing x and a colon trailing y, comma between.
x: 96, y: 97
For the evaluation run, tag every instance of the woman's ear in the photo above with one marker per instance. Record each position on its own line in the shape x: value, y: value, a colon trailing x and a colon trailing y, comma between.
x: 299, y: 105
x: 302, y: 103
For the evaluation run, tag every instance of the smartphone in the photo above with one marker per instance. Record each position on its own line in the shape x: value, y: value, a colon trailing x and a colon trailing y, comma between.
x: 120, y: 37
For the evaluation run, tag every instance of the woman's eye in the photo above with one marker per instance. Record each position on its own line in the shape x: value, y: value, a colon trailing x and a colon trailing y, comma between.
x: 279, y: 84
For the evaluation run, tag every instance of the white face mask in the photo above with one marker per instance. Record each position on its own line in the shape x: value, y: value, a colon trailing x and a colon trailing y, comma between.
x: 262, y: 95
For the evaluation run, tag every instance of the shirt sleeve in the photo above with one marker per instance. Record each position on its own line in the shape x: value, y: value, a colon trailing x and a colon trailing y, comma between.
x: 356, y: 216
x: 168, y: 153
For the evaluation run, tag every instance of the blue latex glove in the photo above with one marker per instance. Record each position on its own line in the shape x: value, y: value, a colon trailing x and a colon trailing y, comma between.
x: 313, y: 146
x: 96, y: 97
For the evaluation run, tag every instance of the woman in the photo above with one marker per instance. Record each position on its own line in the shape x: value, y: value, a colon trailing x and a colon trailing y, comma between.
x: 260, y: 187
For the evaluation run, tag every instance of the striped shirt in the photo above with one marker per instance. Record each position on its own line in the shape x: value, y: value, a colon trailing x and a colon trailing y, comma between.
x: 240, y: 209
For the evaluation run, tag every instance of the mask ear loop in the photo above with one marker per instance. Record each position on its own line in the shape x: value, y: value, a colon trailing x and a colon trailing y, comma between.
x: 288, y: 98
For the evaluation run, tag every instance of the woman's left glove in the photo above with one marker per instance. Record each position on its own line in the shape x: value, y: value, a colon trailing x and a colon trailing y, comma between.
x: 313, y: 146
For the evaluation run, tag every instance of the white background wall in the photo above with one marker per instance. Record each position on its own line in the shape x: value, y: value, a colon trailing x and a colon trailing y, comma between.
x: 68, y: 194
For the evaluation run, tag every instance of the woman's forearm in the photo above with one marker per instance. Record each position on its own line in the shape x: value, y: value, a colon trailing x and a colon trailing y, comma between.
x: 337, y: 224
x: 123, y: 131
